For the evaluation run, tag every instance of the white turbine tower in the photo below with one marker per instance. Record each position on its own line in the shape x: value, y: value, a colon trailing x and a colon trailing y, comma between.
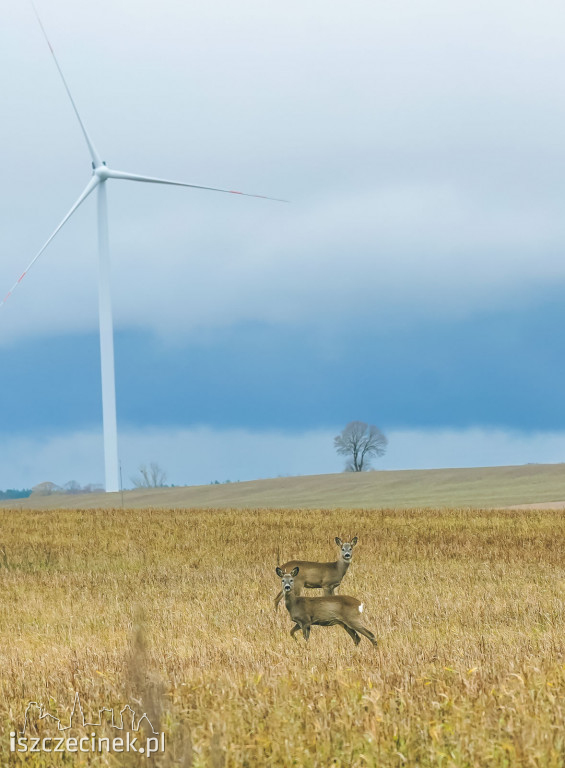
x: 100, y: 175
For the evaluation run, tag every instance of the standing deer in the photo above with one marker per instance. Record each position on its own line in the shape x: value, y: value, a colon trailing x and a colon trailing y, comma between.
x: 326, y: 576
x: 325, y: 611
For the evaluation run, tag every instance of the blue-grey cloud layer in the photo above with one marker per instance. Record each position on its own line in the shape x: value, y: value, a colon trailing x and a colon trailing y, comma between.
x: 496, y: 370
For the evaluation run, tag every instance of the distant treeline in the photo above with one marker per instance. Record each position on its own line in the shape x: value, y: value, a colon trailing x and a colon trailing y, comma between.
x: 12, y: 493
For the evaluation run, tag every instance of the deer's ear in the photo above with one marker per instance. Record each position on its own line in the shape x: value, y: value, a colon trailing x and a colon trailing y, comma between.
x: 354, y: 541
x: 338, y: 541
x: 294, y: 571
x: 279, y: 572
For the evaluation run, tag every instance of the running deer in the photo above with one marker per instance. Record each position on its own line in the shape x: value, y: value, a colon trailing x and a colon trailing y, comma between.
x: 325, y: 611
x: 326, y: 576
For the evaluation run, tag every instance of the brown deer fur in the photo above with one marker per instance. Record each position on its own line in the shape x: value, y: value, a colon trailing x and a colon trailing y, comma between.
x: 325, y: 576
x: 325, y: 611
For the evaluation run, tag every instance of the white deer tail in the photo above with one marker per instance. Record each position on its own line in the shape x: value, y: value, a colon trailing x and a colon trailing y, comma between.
x: 361, y: 608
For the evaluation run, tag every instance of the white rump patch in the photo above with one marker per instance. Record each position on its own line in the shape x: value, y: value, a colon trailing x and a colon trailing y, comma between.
x: 361, y: 608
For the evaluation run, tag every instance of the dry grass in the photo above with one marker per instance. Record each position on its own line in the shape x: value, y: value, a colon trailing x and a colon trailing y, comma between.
x: 172, y: 611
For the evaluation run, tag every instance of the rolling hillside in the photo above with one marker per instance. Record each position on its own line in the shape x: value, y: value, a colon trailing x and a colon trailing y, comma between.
x: 476, y: 487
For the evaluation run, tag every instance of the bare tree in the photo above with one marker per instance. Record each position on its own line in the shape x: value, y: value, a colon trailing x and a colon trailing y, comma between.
x: 361, y: 442
x: 93, y: 488
x: 151, y: 476
x: 72, y: 487
x: 46, y: 489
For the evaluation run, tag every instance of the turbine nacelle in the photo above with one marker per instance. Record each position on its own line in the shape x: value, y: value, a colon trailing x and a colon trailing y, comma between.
x: 102, y: 172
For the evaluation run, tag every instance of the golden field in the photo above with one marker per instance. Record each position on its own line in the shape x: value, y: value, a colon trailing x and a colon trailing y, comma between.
x: 171, y: 611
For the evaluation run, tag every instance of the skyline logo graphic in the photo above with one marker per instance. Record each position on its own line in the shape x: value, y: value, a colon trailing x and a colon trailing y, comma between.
x: 43, y: 715
x: 126, y: 722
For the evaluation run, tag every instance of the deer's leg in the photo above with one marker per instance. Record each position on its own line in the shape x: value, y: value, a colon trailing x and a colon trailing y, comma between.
x: 329, y: 590
x: 278, y: 598
x: 306, y: 631
x: 293, y: 630
x: 368, y: 634
x: 352, y: 633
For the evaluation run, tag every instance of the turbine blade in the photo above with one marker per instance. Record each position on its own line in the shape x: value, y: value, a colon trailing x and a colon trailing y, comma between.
x: 91, y: 148
x: 152, y: 180
x: 94, y: 181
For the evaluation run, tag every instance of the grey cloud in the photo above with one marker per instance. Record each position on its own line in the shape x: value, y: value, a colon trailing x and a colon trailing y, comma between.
x: 420, y: 145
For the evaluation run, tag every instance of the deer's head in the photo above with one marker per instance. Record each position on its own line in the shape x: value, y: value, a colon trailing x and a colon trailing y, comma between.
x: 346, y: 548
x: 287, y: 579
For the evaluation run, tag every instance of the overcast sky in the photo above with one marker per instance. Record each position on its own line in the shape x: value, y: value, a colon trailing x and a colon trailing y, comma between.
x: 414, y: 281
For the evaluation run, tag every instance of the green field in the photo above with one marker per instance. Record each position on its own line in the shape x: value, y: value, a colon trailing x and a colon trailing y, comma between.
x: 171, y: 611
x: 479, y: 487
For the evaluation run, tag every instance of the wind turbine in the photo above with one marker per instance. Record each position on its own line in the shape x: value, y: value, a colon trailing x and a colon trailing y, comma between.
x: 100, y: 175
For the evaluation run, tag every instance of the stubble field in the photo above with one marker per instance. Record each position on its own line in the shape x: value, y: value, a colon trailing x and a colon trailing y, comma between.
x: 172, y: 612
